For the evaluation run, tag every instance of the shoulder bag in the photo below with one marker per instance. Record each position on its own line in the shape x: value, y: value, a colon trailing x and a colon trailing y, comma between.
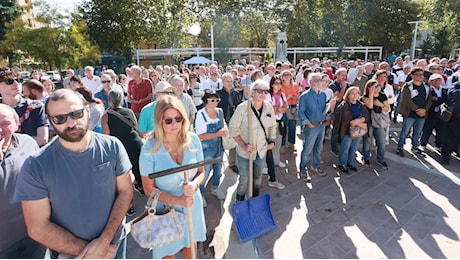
x: 133, y: 125
x: 227, y: 141
x: 154, y: 229
x: 380, y: 120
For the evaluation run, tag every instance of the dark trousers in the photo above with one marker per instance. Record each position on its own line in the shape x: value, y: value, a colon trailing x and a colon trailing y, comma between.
x: 451, y: 139
x: 270, y: 165
x: 433, y: 122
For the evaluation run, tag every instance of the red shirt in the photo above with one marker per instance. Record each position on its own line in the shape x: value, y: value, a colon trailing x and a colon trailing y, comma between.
x: 139, y: 91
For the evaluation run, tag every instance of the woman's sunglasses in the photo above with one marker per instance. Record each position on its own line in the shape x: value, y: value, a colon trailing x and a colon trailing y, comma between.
x: 61, y: 119
x: 169, y: 120
x: 214, y: 100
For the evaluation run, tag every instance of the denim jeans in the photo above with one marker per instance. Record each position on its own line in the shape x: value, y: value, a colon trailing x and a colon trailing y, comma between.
x: 379, y: 135
x: 408, y: 123
x: 292, y: 124
x: 243, y: 171
x: 313, y: 141
x: 334, y: 137
x: 216, y: 167
x: 348, y: 148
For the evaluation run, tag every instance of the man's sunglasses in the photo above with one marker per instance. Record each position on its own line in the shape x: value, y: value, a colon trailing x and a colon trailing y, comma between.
x: 61, y: 119
x: 9, y: 81
x: 214, y: 100
x: 261, y: 91
x: 106, y: 81
x: 167, y: 92
x: 169, y: 120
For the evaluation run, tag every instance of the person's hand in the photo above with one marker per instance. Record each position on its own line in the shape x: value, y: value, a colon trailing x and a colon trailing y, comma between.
x: 249, y: 148
x: 189, y: 189
x: 223, y: 131
x: 421, y: 112
x: 98, y: 249
x: 270, y: 146
x: 310, y: 125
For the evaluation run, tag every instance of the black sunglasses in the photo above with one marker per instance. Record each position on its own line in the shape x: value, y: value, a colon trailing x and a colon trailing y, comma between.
x: 9, y: 81
x: 105, y: 81
x: 214, y: 100
x: 260, y: 91
x: 169, y: 120
x: 61, y: 119
x: 167, y: 92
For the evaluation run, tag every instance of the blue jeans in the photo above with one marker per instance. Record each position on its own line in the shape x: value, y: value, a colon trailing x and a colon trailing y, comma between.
x: 313, y: 141
x: 408, y: 123
x: 348, y: 148
x: 292, y: 124
x: 121, y: 251
x: 379, y: 135
x: 216, y: 167
x: 243, y: 171
x: 334, y: 137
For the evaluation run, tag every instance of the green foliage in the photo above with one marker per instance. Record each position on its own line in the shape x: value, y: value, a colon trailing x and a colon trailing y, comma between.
x: 53, y: 42
x: 9, y: 11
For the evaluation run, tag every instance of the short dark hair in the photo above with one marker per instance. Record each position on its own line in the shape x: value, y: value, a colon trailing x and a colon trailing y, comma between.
x: 34, y: 84
x: 415, y: 70
x: 6, y: 73
x: 209, y: 93
x: 63, y: 93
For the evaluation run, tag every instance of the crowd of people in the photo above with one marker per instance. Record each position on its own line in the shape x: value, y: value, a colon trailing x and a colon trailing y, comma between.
x: 67, y: 154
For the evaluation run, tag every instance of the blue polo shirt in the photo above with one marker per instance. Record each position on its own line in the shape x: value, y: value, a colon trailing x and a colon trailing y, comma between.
x: 146, y: 122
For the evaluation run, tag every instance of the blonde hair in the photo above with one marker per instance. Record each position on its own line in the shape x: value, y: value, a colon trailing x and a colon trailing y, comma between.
x: 164, y: 103
x: 349, y: 90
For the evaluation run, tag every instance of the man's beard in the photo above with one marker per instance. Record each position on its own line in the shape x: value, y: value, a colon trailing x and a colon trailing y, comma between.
x: 73, y: 134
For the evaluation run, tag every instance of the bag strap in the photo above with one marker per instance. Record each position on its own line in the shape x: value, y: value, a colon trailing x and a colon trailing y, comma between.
x: 124, y: 119
x: 153, y: 200
x: 262, y: 125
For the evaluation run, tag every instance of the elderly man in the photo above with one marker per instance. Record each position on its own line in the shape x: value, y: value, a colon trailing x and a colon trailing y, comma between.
x: 140, y: 90
x: 179, y: 86
x: 91, y: 81
x: 66, y: 82
x: 312, y: 104
x: 32, y: 118
x: 257, y: 141
x: 146, y: 122
x: 75, y: 192
x: 15, y: 148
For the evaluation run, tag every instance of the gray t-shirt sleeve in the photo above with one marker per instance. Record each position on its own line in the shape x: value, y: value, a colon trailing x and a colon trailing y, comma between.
x: 30, y: 184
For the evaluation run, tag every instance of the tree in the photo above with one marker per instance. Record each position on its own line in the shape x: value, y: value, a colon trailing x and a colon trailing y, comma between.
x: 9, y: 11
x: 53, y: 42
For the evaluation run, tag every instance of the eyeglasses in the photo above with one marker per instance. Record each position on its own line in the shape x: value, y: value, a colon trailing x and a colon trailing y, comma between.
x: 249, y: 69
x: 261, y: 91
x: 167, y: 92
x: 276, y: 83
x: 61, y: 119
x: 169, y: 120
x: 153, y: 76
x: 417, y: 74
x: 106, y: 81
x: 10, y: 81
x: 214, y: 100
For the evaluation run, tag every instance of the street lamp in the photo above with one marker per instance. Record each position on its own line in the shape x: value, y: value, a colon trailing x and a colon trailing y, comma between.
x: 414, y: 42
x: 212, y: 43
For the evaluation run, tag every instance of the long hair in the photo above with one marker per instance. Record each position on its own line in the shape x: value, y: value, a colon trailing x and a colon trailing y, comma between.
x: 164, y: 103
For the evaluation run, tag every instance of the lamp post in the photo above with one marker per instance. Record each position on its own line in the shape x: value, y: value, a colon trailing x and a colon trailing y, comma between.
x: 212, y: 43
x: 414, y: 42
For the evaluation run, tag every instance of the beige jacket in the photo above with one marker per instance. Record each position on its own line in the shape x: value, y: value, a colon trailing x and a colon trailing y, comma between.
x: 239, y: 125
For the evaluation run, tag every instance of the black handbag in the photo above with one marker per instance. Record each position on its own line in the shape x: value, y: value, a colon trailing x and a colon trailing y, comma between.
x: 282, y: 129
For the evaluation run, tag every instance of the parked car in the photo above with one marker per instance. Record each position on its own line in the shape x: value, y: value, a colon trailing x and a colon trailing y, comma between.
x: 54, y: 76
x: 25, y: 75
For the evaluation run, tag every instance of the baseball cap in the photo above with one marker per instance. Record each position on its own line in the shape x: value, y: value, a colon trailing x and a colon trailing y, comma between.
x: 435, y: 76
x: 163, y: 86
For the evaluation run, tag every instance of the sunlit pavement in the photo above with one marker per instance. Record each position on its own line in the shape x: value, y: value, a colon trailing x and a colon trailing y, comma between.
x: 410, y: 210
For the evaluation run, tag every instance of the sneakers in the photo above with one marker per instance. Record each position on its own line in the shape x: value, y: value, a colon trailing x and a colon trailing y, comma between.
x: 352, y: 167
x: 218, y: 193
x: 400, y: 152
x: 281, y: 165
x: 139, y: 189
x: 276, y: 184
x: 318, y: 171
x: 384, y: 165
x: 305, y: 176
x: 417, y: 150
x: 205, y: 203
x: 131, y: 211
x: 343, y: 168
x: 265, y: 171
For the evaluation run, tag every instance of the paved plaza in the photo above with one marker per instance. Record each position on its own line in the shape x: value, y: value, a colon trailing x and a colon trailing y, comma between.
x: 410, y: 210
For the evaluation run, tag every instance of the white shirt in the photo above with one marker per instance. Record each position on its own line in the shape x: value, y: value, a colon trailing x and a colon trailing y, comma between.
x: 93, y: 84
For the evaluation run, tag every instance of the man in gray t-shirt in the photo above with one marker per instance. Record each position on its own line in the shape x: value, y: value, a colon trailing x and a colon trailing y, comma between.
x: 76, y: 191
x: 14, y: 242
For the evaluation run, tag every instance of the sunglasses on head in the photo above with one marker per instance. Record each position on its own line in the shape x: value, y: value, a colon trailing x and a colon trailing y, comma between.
x: 61, y: 119
x: 169, y: 120
x: 261, y: 91
x: 9, y: 81
x: 214, y: 100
